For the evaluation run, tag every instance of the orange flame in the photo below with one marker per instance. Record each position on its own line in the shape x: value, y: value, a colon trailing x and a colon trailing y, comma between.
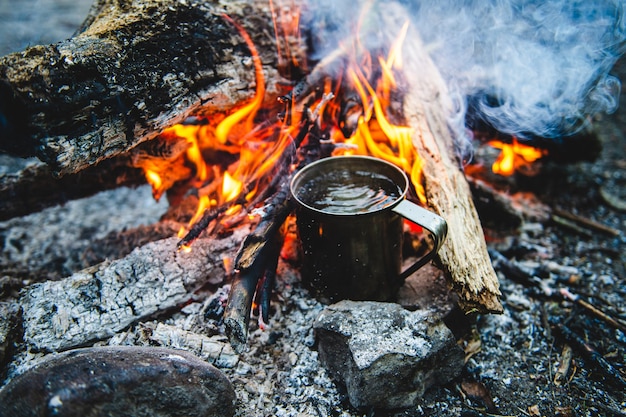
x: 258, y: 148
x: 513, y: 156
x: 376, y: 135
x: 249, y: 111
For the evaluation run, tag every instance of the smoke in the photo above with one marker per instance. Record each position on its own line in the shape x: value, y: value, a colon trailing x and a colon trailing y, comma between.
x: 527, y: 67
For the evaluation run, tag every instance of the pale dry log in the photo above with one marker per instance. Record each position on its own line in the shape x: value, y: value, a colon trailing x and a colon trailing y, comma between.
x: 100, y: 301
x: 464, y: 253
x: 135, y: 68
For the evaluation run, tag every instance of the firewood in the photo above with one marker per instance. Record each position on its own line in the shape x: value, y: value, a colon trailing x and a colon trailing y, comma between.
x: 464, y: 253
x: 135, y: 68
x: 257, y: 258
x: 239, y: 306
x: 99, y: 301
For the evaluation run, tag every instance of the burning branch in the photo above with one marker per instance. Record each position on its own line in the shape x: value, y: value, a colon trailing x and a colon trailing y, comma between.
x: 257, y: 258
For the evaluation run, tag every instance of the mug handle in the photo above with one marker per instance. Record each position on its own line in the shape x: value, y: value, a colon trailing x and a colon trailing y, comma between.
x: 435, y: 224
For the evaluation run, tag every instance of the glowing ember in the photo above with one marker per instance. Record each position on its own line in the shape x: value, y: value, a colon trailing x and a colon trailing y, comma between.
x: 514, y: 156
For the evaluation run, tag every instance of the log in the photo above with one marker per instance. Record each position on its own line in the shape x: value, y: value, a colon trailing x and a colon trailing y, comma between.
x: 100, y: 301
x: 464, y: 254
x: 135, y: 68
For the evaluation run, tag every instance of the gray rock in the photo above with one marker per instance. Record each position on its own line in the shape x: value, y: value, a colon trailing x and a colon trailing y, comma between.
x: 119, y: 381
x: 385, y: 356
x: 10, y: 330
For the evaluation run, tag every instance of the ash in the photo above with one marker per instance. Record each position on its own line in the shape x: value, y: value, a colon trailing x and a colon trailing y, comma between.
x: 512, y: 359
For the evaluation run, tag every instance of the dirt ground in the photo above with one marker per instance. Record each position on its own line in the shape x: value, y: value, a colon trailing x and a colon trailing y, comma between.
x: 513, y: 358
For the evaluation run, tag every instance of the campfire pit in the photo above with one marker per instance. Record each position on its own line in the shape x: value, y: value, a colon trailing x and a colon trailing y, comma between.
x: 154, y: 334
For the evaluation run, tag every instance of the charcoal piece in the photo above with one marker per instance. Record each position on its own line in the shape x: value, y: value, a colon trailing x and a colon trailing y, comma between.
x: 119, y: 381
x: 385, y: 356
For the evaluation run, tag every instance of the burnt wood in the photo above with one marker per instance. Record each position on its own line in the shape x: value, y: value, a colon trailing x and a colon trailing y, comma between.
x: 36, y: 187
x: 104, y: 299
x: 134, y: 68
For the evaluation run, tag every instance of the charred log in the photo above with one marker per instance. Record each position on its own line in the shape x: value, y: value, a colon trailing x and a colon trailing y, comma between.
x: 99, y: 301
x: 135, y: 68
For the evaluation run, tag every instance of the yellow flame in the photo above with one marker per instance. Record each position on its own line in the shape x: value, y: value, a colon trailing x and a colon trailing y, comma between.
x: 248, y: 111
x: 513, y: 156
x: 231, y: 187
x: 154, y: 179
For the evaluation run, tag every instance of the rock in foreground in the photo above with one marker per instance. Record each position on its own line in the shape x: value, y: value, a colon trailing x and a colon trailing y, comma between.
x: 384, y: 355
x: 119, y: 381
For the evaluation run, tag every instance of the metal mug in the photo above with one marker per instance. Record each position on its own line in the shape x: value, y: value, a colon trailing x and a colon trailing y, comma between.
x: 353, y: 250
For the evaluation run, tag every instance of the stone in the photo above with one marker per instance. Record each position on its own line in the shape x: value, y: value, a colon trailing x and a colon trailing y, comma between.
x: 119, y: 381
x: 384, y: 355
x: 10, y: 330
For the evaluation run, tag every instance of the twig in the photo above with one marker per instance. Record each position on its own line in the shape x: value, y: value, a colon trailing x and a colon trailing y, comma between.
x: 516, y: 273
x: 593, y: 310
x: 586, y: 223
x: 569, y: 224
x: 587, y: 351
x: 612, y: 200
x: 560, y: 377
x: 207, y: 217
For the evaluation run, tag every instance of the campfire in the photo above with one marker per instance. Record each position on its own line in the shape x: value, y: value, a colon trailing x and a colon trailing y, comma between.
x: 217, y: 107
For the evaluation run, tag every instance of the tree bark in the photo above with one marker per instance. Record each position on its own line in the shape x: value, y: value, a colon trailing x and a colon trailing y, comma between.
x: 135, y: 68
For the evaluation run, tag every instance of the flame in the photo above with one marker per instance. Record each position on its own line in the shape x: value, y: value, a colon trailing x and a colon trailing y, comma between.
x: 231, y: 187
x: 154, y: 179
x: 376, y: 135
x: 514, y: 156
x: 257, y: 147
x: 286, y: 22
x: 248, y: 111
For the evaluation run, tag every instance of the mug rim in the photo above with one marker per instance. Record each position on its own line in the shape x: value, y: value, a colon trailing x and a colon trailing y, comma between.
x: 403, y: 188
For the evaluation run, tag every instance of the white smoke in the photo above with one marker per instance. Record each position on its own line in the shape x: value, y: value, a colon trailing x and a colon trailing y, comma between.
x: 527, y: 67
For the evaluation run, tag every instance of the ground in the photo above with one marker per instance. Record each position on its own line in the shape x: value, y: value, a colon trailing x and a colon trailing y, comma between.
x: 513, y: 357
